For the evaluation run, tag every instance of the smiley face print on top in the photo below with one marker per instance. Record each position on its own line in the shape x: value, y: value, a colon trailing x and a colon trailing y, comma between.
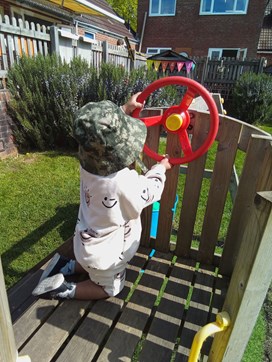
x: 109, y: 202
x: 147, y: 196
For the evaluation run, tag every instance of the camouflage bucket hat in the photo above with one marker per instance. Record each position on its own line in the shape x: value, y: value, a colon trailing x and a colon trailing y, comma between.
x: 109, y: 140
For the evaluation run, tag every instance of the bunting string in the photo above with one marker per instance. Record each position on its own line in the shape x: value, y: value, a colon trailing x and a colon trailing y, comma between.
x: 172, y: 65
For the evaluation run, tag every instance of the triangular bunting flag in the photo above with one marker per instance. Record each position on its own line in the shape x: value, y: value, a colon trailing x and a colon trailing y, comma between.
x: 149, y: 64
x: 188, y: 66
x: 172, y: 66
x: 164, y: 65
x: 180, y: 65
x: 157, y: 64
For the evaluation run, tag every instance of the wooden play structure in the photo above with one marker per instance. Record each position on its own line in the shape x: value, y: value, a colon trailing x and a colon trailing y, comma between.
x: 177, y: 283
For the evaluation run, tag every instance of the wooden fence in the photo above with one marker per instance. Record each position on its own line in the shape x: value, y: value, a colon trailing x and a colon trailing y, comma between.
x: 219, y: 76
x: 19, y: 37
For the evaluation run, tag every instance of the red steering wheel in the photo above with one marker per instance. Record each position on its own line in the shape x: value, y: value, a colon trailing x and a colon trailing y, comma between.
x: 176, y: 119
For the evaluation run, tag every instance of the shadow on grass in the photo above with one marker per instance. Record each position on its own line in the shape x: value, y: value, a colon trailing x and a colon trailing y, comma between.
x: 64, y: 218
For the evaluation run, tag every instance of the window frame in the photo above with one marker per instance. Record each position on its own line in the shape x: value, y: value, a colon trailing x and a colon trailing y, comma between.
x: 239, y: 52
x: 159, y: 50
x: 159, y: 13
x: 233, y: 12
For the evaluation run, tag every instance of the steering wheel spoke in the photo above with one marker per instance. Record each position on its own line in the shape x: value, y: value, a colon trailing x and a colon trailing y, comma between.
x: 151, y: 121
x: 185, y: 143
x: 187, y: 100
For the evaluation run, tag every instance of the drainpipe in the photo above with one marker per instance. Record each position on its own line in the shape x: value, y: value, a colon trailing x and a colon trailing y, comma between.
x: 221, y: 323
x: 142, y: 34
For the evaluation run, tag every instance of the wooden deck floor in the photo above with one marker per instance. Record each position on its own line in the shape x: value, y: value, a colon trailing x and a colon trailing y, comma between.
x: 164, y: 303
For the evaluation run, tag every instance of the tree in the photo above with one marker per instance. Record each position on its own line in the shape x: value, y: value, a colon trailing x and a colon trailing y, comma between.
x: 126, y: 10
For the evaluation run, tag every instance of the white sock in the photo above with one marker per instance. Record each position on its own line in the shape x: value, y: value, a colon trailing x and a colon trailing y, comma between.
x: 69, y: 293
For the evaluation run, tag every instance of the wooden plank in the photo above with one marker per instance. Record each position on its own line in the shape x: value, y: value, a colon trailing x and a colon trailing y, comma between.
x: 161, y: 338
x: 219, y: 295
x: 34, y: 317
x: 90, y: 335
x: 198, y: 312
x: 246, y: 132
x: 10, y: 50
x: 162, y: 241
x: 249, y: 283
x: 152, y: 141
x: 227, y: 136
x: 128, y: 331
x: 87, y: 339
x: 259, y: 154
x: 4, y: 52
x: 192, y: 189
x: 8, y: 351
x: 20, y: 297
x: 50, y: 337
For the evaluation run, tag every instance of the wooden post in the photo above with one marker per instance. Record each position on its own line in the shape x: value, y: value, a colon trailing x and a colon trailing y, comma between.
x: 249, y: 283
x: 105, y: 52
x: 8, y: 351
x: 54, y: 37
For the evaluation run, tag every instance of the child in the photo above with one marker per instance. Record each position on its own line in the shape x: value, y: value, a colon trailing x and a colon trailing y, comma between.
x: 112, y: 197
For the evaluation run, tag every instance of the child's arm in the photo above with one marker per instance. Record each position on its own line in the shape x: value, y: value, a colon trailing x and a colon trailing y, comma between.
x: 156, y: 180
x: 132, y: 104
x: 165, y: 162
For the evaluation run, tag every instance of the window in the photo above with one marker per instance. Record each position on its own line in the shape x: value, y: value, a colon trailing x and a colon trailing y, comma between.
x: 218, y: 7
x: 89, y: 35
x: 1, y: 10
x: 162, y: 7
x: 152, y: 51
x: 219, y: 53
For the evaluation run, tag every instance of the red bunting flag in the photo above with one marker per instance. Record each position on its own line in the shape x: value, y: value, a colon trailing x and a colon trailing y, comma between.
x: 172, y: 66
x: 180, y: 65
x: 164, y: 65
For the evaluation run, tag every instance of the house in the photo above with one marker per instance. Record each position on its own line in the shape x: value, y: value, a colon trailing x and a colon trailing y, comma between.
x: 265, y: 41
x: 90, y: 29
x: 214, y: 28
x: 96, y: 21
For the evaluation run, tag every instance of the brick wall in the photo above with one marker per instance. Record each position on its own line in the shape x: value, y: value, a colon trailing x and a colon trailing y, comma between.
x: 189, y: 30
x: 7, y: 146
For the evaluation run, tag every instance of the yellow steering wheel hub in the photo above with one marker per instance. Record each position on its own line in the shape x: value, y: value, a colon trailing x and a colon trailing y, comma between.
x: 174, y: 122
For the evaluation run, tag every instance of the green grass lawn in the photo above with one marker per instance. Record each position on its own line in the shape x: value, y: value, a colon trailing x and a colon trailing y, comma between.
x: 39, y: 198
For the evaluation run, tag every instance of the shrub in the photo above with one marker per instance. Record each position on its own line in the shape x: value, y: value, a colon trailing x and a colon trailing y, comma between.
x: 47, y: 92
x: 252, y: 98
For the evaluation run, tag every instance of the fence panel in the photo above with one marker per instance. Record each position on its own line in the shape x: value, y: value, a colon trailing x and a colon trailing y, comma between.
x: 19, y: 37
x: 219, y: 76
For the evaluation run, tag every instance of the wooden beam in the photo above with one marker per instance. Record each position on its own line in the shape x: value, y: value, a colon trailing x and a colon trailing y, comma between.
x: 249, y: 283
x: 8, y: 351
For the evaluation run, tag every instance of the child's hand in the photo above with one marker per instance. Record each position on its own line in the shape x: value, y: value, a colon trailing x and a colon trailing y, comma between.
x: 132, y: 104
x: 165, y: 162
